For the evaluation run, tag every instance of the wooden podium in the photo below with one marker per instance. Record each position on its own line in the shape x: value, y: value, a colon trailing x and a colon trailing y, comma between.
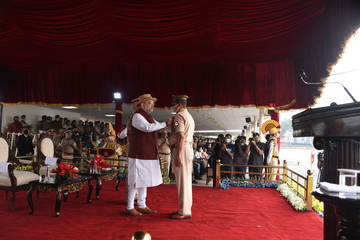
x: 336, y: 130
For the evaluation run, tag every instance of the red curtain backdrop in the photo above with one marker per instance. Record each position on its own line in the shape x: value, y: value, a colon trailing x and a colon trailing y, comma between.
x: 230, y: 52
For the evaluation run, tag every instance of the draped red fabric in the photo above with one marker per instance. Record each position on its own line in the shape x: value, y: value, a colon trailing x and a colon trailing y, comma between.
x: 230, y: 52
x: 118, y: 115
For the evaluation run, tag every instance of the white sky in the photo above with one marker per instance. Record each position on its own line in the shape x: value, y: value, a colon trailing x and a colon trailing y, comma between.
x: 347, y: 72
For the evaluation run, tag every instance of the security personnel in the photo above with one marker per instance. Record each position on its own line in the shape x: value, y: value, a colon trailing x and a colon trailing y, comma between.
x: 180, y: 140
x: 272, y: 158
x: 164, y: 151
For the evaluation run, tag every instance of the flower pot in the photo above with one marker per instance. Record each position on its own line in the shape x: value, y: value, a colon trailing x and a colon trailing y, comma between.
x: 60, y: 179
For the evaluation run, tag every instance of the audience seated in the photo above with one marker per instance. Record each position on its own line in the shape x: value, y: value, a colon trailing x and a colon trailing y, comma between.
x: 16, y: 126
x: 199, y: 164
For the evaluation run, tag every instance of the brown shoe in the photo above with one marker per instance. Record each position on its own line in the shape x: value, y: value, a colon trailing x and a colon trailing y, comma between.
x: 132, y: 212
x: 175, y: 212
x: 179, y: 216
x: 146, y: 210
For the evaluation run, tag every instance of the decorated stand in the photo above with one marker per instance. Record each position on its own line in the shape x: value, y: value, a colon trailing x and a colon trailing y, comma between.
x: 336, y: 130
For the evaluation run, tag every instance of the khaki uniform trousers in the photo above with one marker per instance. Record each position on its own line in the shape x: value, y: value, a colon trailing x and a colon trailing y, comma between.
x: 183, y: 177
x: 273, y: 162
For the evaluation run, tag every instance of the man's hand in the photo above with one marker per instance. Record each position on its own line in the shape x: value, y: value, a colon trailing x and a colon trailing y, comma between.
x: 178, y: 162
x: 169, y: 121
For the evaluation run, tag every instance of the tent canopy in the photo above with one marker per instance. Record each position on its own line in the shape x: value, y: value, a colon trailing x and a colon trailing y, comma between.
x: 220, y: 53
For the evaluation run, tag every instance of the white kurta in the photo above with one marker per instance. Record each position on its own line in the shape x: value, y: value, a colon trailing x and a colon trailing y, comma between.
x: 144, y: 173
x: 123, y: 134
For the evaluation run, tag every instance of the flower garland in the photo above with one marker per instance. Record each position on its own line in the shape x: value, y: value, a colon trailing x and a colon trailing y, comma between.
x: 66, y: 170
x: 297, y: 202
x: 227, y: 183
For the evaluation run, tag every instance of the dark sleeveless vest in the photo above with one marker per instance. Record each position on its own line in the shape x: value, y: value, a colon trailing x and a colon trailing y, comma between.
x: 142, y: 145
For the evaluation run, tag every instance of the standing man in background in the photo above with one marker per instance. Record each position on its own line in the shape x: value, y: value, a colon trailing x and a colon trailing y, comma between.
x: 164, y: 150
x: 240, y: 156
x: 181, y: 137
x: 24, y: 144
x: 68, y: 145
x: 272, y: 158
x: 256, y: 157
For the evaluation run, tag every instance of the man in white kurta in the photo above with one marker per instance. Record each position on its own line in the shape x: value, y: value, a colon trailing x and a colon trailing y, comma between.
x: 144, y: 168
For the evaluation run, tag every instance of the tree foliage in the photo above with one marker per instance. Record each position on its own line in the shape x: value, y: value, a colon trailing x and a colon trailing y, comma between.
x: 286, y: 126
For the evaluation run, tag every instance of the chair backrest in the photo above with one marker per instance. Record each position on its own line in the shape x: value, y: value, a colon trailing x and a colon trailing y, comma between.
x: 4, y: 150
x: 45, y: 148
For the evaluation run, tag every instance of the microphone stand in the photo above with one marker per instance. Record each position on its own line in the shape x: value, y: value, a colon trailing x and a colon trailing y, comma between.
x: 314, y: 83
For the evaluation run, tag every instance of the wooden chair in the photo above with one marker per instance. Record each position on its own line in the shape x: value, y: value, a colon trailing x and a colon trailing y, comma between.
x: 10, y: 179
x: 209, y: 174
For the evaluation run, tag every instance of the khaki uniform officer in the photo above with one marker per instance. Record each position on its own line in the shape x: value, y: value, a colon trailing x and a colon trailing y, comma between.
x: 181, y: 138
x: 164, y: 151
x: 68, y: 145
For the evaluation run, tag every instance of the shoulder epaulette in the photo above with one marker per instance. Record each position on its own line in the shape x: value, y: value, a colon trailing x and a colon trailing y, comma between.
x: 182, y: 117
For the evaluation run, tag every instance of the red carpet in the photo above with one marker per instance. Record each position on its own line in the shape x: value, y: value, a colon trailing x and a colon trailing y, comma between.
x: 238, y: 213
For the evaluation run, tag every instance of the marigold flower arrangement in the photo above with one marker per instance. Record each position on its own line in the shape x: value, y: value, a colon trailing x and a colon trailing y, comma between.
x: 66, y: 170
x: 100, y: 162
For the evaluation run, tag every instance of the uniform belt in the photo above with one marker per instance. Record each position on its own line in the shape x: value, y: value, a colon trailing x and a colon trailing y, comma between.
x: 275, y: 156
x: 165, y: 153
x: 185, y: 143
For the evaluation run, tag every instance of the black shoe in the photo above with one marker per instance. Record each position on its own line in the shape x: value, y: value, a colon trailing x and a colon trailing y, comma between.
x: 194, y: 181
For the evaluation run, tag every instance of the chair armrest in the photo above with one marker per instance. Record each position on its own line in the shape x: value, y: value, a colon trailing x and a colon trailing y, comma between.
x: 36, y: 167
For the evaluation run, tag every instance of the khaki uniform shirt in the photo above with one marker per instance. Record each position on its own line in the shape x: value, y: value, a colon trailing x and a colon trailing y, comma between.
x: 183, y: 122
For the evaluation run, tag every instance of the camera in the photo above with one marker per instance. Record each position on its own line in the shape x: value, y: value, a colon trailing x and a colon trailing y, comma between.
x: 251, y: 139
